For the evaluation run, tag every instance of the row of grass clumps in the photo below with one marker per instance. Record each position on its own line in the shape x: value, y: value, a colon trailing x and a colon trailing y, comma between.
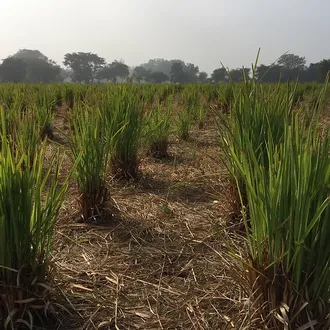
x: 281, y: 166
x: 282, y: 173
x: 106, y: 140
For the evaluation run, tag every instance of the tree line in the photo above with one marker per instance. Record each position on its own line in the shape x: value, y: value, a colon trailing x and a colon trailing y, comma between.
x: 31, y: 66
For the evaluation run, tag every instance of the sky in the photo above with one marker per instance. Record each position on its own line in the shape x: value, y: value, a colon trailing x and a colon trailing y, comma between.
x: 203, y: 32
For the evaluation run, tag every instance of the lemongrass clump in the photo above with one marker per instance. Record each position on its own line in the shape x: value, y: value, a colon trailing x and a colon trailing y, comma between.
x: 29, y: 204
x: 288, y: 226
x: 90, y: 145
x: 184, y: 123
x: 192, y: 101
x: 201, y: 116
x: 45, y: 113
x: 283, y: 171
x: 124, y: 119
x: 158, y: 130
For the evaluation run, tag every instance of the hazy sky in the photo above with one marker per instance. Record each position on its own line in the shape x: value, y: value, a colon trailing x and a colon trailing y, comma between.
x: 203, y: 32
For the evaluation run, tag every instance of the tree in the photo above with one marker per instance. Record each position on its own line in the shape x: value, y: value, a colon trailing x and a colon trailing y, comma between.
x: 65, y: 75
x: 158, y: 77
x: 114, y: 71
x: 44, y: 71
x: 12, y: 70
x: 177, y: 70
x: 160, y: 65
x: 140, y: 74
x: 191, y: 73
x: 292, y: 61
x: 30, y: 54
x: 324, y: 68
x: 219, y: 75
x: 83, y: 65
x: 202, y: 77
x: 177, y: 73
x: 268, y: 73
x: 237, y: 75
x: 312, y: 73
x: 30, y: 66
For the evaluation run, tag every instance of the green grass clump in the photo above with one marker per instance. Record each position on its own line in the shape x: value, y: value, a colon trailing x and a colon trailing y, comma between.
x: 30, y: 201
x: 158, y: 125
x: 282, y: 171
x: 90, y: 145
x: 123, y: 113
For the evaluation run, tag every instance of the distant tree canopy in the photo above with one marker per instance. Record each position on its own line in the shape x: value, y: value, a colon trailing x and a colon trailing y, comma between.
x: 29, y: 66
x: 292, y: 61
x: 177, y: 73
x: 184, y: 73
x: 160, y: 65
x: 140, y: 74
x: 12, y: 70
x: 237, y: 75
x: 219, y: 75
x: 29, y: 54
x: 84, y: 66
x: 32, y: 66
x: 202, y: 77
x: 113, y: 71
x: 324, y: 68
x: 158, y: 77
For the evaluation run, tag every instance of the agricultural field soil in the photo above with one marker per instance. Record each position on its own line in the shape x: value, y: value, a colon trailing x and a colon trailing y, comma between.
x: 161, y: 261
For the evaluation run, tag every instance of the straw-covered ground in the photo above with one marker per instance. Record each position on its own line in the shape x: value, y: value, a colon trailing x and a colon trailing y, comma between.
x: 162, y: 261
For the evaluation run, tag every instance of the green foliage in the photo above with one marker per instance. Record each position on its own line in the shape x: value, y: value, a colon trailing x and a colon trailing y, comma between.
x: 90, y: 144
x: 83, y: 65
x: 158, y: 125
x: 12, y: 70
x: 219, y: 75
x: 123, y: 112
x: 184, y: 124
x: 283, y: 175
x: 292, y: 61
x: 158, y: 77
x: 30, y: 201
x: 113, y: 71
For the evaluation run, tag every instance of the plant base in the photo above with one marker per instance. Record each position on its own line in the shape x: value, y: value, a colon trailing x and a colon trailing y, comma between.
x: 158, y: 150
x: 93, y: 206
x: 125, y: 170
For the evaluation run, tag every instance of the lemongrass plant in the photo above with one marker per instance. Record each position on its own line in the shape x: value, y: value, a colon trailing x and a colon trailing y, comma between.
x: 227, y: 95
x: 282, y: 171
x: 158, y: 124
x: 123, y: 113
x: 25, y: 135
x: 45, y: 114
x: 256, y: 114
x: 191, y: 101
x: 201, y: 116
x: 184, y: 122
x: 30, y: 201
x: 89, y: 141
x: 287, y: 227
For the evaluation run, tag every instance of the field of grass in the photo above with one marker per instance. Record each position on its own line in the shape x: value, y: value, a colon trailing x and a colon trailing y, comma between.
x: 128, y: 206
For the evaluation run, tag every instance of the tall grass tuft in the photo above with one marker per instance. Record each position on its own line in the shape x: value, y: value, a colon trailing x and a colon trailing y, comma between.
x: 30, y: 201
x: 158, y: 125
x: 282, y: 172
x: 45, y: 113
x: 184, y: 122
x: 123, y: 111
x: 90, y: 145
